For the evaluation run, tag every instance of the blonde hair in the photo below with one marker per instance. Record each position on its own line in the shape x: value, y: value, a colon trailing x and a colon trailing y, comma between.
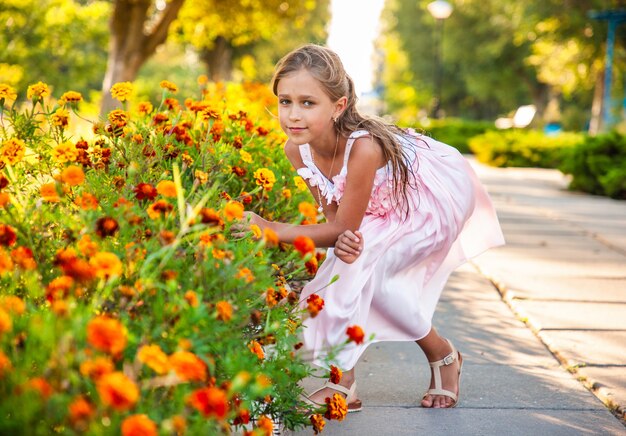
x: 326, y: 66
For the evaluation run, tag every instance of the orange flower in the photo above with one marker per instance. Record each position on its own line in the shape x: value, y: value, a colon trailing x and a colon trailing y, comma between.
x: 257, y: 349
x: 246, y: 274
x: 224, y: 310
x: 335, y: 374
x: 311, y: 265
x: 286, y: 193
x: 233, y: 210
x: 355, y: 334
x: 308, y: 210
x: 318, y: 423
x: 265, y: 425
x: 210, y: 401
x: 166, y: 188
x: 188, y: 366
x: 265, y: 177
x: 106, y: 264
x: 5, y: 322
x: 211, y: 217
x: 6, y: 264
x: 145, y: 191
x: 12, y: 304
x: 12, y: 151
x: 304, y: 245
x: 70, y: 97
x: 86, y: 246
x: 49, y: 193
x: 4, y: 199
x: 42, y: 386
x: 159, y: 208
x: 86, y: 201
x: 192, y: 298
x: 155, y: 358
x: 5, y: 364
x: 96, y: 368
x: 106, y: 226
x: 81, y: 410
x: 73, y: 175
x: 60, y: 307
x: 8, y: 236
x: 37, y: 91
x: 59, y: 288
x: 336, y: 407
x: 180, y: 424
x: 117, y: 391
x: 106, y: 334
x: 271, y: 297
x: 139, y: 425
x: 315, y: 304
x: 65, y: 152
x: 270, y: 236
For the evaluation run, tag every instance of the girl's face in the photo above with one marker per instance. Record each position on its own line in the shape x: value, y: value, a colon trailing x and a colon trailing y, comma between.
x: 305, y: 111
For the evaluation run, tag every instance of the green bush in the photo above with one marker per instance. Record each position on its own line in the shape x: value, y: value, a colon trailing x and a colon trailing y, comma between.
x: 456, y: 132
x: 598, y: 165
x: 522, y: 148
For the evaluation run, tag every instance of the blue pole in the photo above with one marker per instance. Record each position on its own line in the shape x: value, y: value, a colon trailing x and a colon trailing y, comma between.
x: 607, y: 109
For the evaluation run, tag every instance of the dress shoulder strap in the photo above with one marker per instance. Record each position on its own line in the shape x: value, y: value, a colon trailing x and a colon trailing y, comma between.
x: 353, y: 137
x: 305, y: 153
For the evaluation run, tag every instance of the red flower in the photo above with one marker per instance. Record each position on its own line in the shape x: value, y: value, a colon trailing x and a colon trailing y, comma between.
x: 304, y: 245
x: 315, y: 304
x: 145, y: 191
x: 335, y: 374
x: 210, y: 401
x: 355, y: 334
x: 106, y: 226
x: 7, y: 235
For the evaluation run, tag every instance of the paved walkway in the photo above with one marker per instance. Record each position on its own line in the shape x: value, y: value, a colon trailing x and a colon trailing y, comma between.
x: 563, y: 272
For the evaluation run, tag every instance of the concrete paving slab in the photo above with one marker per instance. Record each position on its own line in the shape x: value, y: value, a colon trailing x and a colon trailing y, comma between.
x: 591, y: 347
x: 609, y: 379
x: 565, y: 315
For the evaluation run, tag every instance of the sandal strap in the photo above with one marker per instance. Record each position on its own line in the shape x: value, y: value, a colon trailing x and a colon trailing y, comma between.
x: 445, y: 392
x: 349, y: 393
x: 448, y: 360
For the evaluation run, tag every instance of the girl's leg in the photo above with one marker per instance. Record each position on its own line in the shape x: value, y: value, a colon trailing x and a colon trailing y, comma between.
x: 346, y: 380
x: 436, y: 348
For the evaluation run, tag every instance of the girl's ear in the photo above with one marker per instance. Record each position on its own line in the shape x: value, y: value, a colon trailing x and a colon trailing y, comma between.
x: 340, y: 106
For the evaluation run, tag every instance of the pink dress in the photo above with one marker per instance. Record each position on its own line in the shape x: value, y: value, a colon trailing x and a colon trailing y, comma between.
x: 392, y: 289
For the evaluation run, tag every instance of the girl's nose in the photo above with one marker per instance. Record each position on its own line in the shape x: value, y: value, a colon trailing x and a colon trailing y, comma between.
x: 294, y: 114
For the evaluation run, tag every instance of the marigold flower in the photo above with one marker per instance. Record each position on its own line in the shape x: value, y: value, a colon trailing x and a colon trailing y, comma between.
x: 304, y: 245
x: 315, y: 304
x: 37, y: 91
x: 355, y: 334
x: 8, y: 236
x: 5, y: 322
x: 49, y: 193
x: 106, y: 264
x: 308, y: 210
x: 188, y: 366
x: 311, y: 265
x: 155, y: 358
x: 12, y: 151
x: 106, y: 334
x: 5, y: 364
x: 180, y: 424
x: 335, y: 374
x: 139, y: 425
x: 192, y: 298
x: 40, y: 385
x: 23, y: 257
x: 7, y: 92
x: 224, y: 310
x: 60, y: 118
x: 318, y: 423
x: 96, y: 368
x: 201, y: 177
x: 65, y: 152
x: 13, y: 304
x: 246, y: 274
x: 145, y: 107
x: 300, y: 183
x: 257, y: 349
x: 245, y: 156
x: 70, y: 97
x: 166, y: 84
x: 145, y: 191
x: 59, y: 288
x: 270, y: 236
x: 286, y: 193
x: 6, y: 264
x: 79, y: 269
x: 81, y: 410
x: 233, y: 210
x: 210, y: 401
x: 118, y: 118
x: 60, y: 307
x: 122, y: 91
x: 73, y: 175
x: 117, y: 391
x: 271, y: 298
x: 211, y: 217
x: 265, y: 425
x: 242, y: 418
x: 203, y: 79
x: 265, y: 177
x: 4, y: 199
x: 86, y: 201
x: 166, y: 188
x: 159, y: 209
x: 336, y: 407
x: 210, y: 113
x: 106, y: 226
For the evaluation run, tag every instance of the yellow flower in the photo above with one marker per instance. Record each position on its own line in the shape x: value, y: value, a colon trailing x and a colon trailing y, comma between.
x: 37, y: 91
x: 202, y: 79
x: 106, y: 264
x: 7, y: 92
x: 121, y: 91
x: 300, y: 184
x: 201, y: 176
x: 145, y: 107
x: 166, y: 188
x: 118, y: 118
x: 165, y: 84
x: 12, y: 151
x: 245, y: 156
x: 65, y: 152
x: 256, y: 231
x: 73, y: 175
x: 155, y: 358
x: 71, y: 97
x: 265, y: 177
x: 60, y: 118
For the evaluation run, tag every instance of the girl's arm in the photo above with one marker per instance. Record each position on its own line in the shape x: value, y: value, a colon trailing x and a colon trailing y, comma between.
x: 366, y: 157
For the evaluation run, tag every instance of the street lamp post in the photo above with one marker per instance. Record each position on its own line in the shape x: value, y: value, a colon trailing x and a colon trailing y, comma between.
x: 440, y: 10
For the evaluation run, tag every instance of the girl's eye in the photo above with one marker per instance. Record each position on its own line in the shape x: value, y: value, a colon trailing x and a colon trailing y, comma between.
x: 283, y: 101
x: 308, y: 103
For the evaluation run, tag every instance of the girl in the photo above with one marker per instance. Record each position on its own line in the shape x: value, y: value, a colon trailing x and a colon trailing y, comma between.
x: 402, y: 211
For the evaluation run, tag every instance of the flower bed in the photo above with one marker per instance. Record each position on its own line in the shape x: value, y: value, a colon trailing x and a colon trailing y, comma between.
x: 125, y: 304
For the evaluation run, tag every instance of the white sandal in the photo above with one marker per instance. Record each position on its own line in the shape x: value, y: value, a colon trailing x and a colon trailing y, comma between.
x: 354, y: 404
x: 438, y: 389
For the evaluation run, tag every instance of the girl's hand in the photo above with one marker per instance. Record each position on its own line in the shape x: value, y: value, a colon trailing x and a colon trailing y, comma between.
x: 349, y: 246
x: 240, y: 229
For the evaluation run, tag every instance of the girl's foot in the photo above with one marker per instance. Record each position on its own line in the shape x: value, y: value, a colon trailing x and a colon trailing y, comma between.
x: 448, y: 365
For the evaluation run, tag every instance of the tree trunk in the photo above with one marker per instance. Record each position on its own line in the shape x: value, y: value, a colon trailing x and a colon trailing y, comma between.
x: 131, y: 43
x: 219, y: 60
x: 595, y: 123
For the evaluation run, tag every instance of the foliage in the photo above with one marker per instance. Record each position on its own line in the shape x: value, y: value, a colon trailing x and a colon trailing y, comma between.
x: 598, y: 165
x: 126, y: 302
x: 456, y: 132
x: 522, y: 148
